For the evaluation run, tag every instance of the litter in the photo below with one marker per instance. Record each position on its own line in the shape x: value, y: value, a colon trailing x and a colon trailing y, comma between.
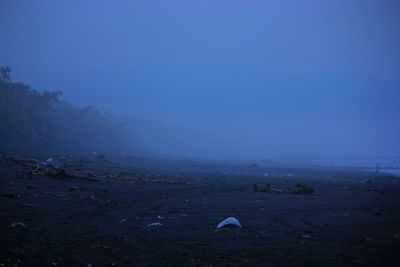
x: 266, y: 188
x: 229, y: 222
x: 50, y: 167
x: 154, y: 224
x: 15, y: 224
x: 53, y: 168
x: 300, y: 188
x: 50, y: 162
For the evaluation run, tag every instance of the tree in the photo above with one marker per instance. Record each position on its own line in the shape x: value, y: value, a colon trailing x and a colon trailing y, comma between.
x: 5, y: 74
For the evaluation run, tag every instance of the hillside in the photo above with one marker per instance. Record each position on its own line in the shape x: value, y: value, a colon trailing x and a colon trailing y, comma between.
x: 41, y: 122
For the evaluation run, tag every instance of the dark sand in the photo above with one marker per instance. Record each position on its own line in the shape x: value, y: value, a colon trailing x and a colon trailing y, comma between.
x: 352, y: 219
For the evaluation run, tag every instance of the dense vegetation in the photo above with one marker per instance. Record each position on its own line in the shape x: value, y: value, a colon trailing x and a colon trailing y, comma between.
x: 40, y: 122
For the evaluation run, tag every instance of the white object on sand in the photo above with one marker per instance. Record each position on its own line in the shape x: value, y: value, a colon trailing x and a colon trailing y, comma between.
x: 154, y: 224
x: 231, y: 221
x: 50, y: 162
x: 18, y: 224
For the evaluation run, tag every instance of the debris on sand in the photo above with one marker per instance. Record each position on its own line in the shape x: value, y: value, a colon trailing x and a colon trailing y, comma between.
x: 229, y: 222
x: 19, y: 224
x: 154, y: 224
x: 266, y: 188
x: 50, y: 167
x: 58, y: 173
x: 55, y: 164
x: 300, y: 188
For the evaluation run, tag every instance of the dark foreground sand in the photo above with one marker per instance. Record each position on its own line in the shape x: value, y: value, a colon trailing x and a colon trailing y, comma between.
x: 352, y: 219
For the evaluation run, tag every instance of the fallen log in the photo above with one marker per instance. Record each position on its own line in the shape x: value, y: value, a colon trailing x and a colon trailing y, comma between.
x: 300, y: 188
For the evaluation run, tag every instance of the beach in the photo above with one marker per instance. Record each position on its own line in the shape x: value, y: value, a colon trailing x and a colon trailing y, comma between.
x: 148, y: 212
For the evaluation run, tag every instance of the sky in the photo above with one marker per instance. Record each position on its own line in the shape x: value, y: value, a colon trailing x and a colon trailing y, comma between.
x: 246, y: 79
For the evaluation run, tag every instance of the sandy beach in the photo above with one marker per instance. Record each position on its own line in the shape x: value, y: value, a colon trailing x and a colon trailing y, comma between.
x: 152, y: 213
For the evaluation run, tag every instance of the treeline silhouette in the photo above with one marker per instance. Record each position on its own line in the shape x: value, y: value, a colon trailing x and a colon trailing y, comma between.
x: 40, y: 122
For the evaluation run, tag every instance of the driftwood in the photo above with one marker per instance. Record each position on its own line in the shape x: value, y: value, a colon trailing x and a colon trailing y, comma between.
x: 266, y: 188
x: 41, y: 168
x: 300, y: 188
x: 29, y: 162
x: 49, y: 168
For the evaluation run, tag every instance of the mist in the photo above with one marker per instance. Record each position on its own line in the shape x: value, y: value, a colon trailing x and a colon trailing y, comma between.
x: 224, y: 80
x: 199, y: 133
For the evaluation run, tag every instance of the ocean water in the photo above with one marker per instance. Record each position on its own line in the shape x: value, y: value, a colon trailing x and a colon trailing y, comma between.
x: 386, y: 164
x: 392, y: 171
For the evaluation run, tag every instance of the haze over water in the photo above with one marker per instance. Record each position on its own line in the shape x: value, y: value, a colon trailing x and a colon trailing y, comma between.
x: 225, y: 79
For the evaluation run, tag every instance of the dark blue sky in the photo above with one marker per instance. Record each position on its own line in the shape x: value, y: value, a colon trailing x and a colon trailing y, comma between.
x: 249, y: 78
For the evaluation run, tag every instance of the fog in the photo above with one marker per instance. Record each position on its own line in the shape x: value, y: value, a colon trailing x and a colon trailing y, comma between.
x: 220, y: 79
